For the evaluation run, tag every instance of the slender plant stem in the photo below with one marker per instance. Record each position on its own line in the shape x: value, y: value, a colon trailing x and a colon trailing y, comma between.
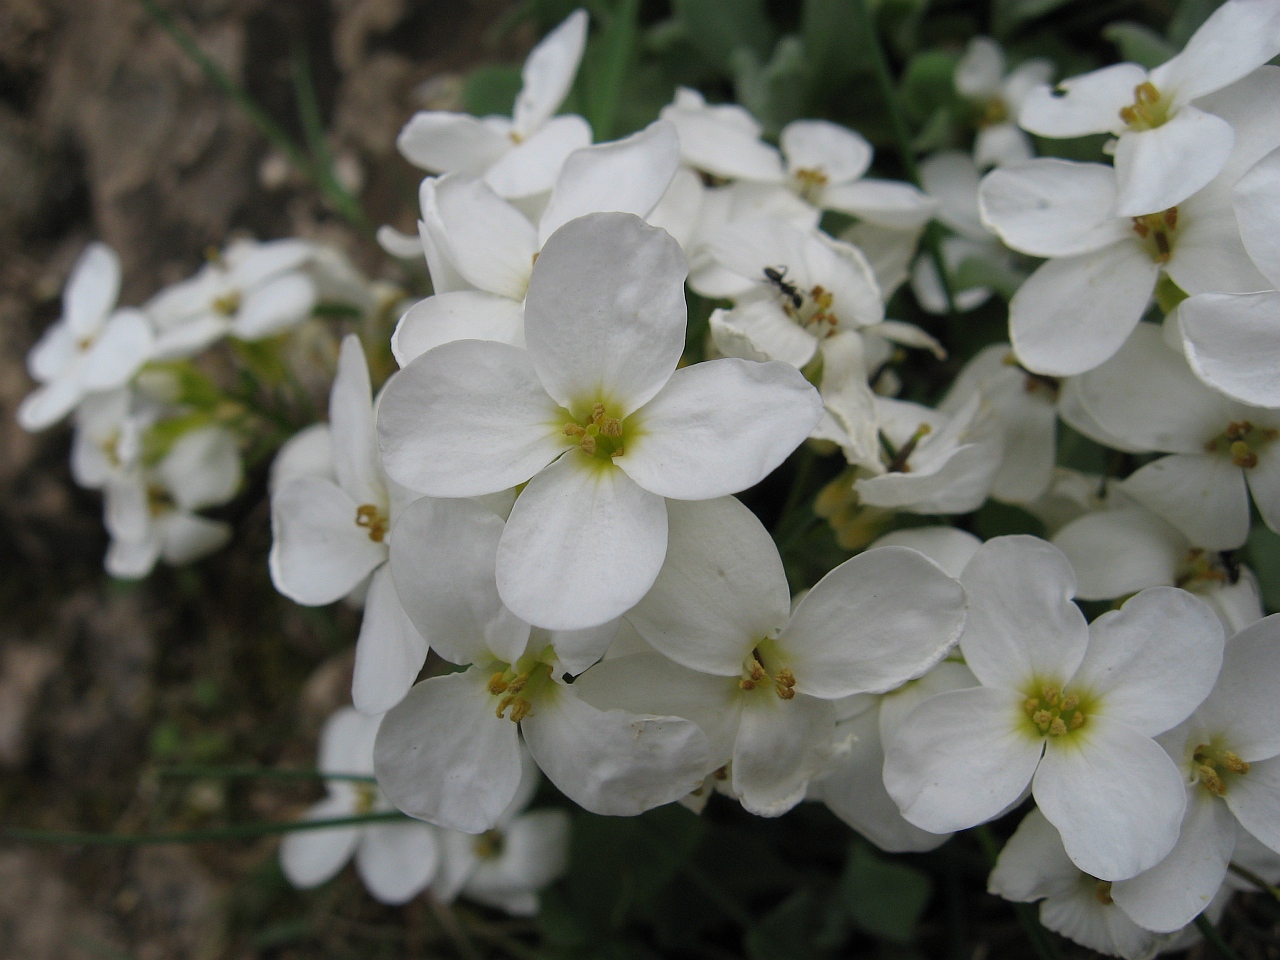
x: 1213, y: 937
x: 1247, y: 874
x: 898, y: 120
x: 235, y: 773
x: 1044, y: 946
x: 452, y: 928
x: 482, y: 931
x: 213, y: 834
x: 617, y: 43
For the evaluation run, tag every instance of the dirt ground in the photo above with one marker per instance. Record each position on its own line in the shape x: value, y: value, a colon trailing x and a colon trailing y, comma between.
x: 107, y: 130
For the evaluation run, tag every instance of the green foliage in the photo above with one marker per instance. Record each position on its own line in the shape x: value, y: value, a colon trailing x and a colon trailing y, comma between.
x: 884, y: 898
x: 717, y: 28
x: 491, y: 90
x: 1262, y: 553
x: 1138, y: 43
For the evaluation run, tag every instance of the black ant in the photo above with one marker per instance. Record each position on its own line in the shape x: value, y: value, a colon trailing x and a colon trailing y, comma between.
x: 1231, y: 565
x: 777, y: 277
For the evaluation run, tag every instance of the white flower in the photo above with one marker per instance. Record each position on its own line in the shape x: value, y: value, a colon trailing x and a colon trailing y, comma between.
x: 1171, y: 142
x: 92, y: 348
x: 1230, y: 338
x: 396, y: 861
x: 330, y: 535
x: 1124, y: 548
x: 1148, y: 398
x: 517, y: 157
x: 507, y: 865
x: 491, y: 246
x: 595, y: 417
x: 109, y: 435
x: 1067, y: 708
x: 250, y: 291
x: 449, y: 752
x: 981, y: 79
x: 150, y: 511
x: 1034, y: 866
x: 759, y: 678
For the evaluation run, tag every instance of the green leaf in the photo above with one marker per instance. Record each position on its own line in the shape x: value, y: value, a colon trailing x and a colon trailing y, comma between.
x: 719, y: 27
x: 604, y: 68
x: 787, y: 932
x: 1008, y: 15
x: 837, y: 51
x: 885, y: 898
x: 774, y: 92
x: 1002, y: 519
x: 928, y: 83
x: 1262, y: 553
x: 1139, y: 44
x: 1188, y: 18
x: 491, y: 90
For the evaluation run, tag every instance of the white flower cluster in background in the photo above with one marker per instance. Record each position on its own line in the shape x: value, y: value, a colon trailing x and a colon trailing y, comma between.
x: 543, y: 493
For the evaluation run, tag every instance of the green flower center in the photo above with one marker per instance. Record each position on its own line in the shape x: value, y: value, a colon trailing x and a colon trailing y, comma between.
x: 1215, y: 767
x: 1241, y: 441
x: 1054, y: 713
x: 598, y: 435
x: 1158, y: 231
x: 1148, y: 110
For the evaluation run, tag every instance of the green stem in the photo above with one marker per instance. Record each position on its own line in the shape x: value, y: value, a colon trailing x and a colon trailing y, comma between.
x: 1253, y: 878
x: 901, y: 133
x: 617, y: 42
x: 804, y: 467
x: 214, y: 834
x: 233, y: 773
x: 1043, y: 945
x: 1214, y: 938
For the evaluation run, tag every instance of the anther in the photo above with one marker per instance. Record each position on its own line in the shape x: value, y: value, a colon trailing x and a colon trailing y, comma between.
x: 1050, y: 695
x: 1212, y: 782
x: 497, y: 685
x: 373, y: 520
x: 1057, y: 728
x: 1031, y: 705
x: 1042, y: 719
x: 1242, y: 456
x: 1077, y: 720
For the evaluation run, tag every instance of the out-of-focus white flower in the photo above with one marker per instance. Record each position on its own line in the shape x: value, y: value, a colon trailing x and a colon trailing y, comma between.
x: 109, y: 436
x: 759, y: 678
x: 92, y: 348
x: 250, y: 291
x: 150, y: 511
x: 1066, y: 708
x: 981, y: 79
x: 396, y: 861
x: 520, y: 156
x: 329, y: 536
x: 595, y: 417
x: 1171, y: 142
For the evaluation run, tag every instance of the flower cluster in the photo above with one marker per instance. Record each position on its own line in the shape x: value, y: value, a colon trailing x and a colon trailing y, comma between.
x: 543, y: 494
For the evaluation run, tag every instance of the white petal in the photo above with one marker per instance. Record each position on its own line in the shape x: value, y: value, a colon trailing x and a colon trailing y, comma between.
x: 1091, y: 103
x: 979, y: 71
x: 186, y: 537
x: 548, y: 73
x: 48, y: 404
x: 444, y: 757
x: 722, y: 140
x: 1255, y: 800
x: 91, y: 290
x: 605, y: 315
x: 402, y: 245
x: 1203, y: 496
x: 650, y: 684
x: 961, y: 759
x: 1256, y: 198
x: 1264, y: 484
x: 840, y: 154
x: 781, y: 746
x: 1114, y: 795
x: 1022, y: 623
x: 1146, y: 395
x: 853, y: 789
x: 310, y: 857
x: 720, y: 427
x: 443, y: 555
x: 355, y: 439
x: 491, y: 424
x: 874, y: 622
x: 1238, y: 37
x: 761, y: 330
x: 460, y: 315
x: 1179, y: 888
x: 122, y: 347
x: 389, y: 651
x: 132, y: 559
x: 275, y: 306
x: 1033, y: 865
x: 442, y: 142
x: 721, y: 589
x: 396, y: 861
x: 436, y: 245
x: 318, y: 553
x: 1208, y: 255
x: 530, y: 169
x: 1100, y: 927
x: 202, y: 468
x: 535, y: 851
x: 887, y: 203
x: 624, y: 176
x: 582, y: 545
x: 53, y: 353
x: 1075, y: 312
x: 1242, y: 706
x: 1118, y: 552
x: 346, y: 746
x: 1158, y: 169
x: 308, y: 453
x: 1153, y: 661
x: 948, y: 547
x: 490, y: 241
x: 1053, y: 208
x: 951, y: 178
x: 1002, y: 145
x: 1230, y: 340
x: 611, y: 762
